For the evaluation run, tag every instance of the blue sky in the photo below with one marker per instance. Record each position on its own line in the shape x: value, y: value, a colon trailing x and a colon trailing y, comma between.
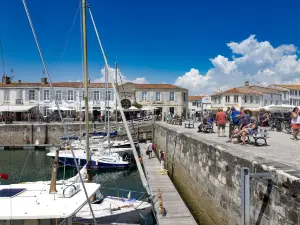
x: 158, y: 40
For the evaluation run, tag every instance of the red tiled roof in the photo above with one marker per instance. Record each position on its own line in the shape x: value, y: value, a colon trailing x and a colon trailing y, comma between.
x: 58, y: 84
x: 238, y: 91
x: 157, y: 86
x: 195, y: 98
x: 290, y: 86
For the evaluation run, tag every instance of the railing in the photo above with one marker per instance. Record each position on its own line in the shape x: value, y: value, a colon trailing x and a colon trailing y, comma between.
x: 123, y: 193
x: 96, y: 101
x: 19, y: 101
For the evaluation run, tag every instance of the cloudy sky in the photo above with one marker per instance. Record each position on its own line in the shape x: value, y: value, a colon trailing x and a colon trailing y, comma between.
x: 201, y: 45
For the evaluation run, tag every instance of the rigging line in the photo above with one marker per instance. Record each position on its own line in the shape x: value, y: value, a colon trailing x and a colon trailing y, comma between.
x: 1, y: 48
x: 56, y: 103
x: 140, y: 169
x: 70, y: 32
x: 24, y: 165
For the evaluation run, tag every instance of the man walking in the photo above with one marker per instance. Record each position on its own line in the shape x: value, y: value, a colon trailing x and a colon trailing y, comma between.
x: 149, y: 149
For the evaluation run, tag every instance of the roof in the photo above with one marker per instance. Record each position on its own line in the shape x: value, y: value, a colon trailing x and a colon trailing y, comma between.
x: 57, y: 84
x: 195, y: 98
x: 263, y: 89
x: 157, y: 86
x: 238, y: 91
x: 39, y: 204
x: 290, y: 86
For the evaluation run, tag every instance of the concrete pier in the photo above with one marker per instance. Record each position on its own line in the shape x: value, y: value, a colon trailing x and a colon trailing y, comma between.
x: 207, y: 173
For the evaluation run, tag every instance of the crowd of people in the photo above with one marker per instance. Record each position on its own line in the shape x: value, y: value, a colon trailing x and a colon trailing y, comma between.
x: 242, y: 122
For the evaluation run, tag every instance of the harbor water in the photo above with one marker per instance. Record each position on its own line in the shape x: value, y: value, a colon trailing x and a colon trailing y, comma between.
x: 31, y: 165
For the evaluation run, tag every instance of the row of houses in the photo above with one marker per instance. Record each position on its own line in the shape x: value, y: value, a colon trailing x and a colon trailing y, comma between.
x: 248, y: 96
x: 21, y: 97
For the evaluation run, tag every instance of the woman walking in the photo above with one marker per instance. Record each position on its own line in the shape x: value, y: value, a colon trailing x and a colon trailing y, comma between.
x: 295, y: 123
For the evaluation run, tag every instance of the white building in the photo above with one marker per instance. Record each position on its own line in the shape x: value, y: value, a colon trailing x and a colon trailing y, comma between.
x: 291, y: 93
x: 247, y: 96
x: 199, y: 103
x: 38, y: 97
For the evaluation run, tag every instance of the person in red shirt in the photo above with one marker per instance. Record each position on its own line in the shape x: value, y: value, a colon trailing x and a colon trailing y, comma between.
x: 221, y: 120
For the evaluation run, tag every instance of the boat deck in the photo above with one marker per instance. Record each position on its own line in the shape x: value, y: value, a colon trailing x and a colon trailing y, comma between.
x: 177, y: 211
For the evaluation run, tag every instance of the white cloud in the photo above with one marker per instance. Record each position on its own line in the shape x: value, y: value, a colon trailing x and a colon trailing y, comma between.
x: 258, y: 62
x: 121, y: 78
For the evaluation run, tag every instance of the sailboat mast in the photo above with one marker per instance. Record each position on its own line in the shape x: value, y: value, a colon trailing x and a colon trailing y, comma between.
x: 116, y: 78
x: 86, y: 92
x: 108, y: 110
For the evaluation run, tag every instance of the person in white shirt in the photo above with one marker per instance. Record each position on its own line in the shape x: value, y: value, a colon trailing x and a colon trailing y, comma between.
x: 149, y: 149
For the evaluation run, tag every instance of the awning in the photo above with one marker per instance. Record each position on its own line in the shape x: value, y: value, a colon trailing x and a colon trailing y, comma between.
x: 61, y: 108
x: 16, y: 108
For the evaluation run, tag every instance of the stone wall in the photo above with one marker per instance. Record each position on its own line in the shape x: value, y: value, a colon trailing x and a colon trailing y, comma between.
x: 207, y: 175
x: 13, y: 134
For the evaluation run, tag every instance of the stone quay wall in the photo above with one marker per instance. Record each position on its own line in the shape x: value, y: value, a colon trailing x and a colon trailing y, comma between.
x: 13, y: 134
x: 208, y: 177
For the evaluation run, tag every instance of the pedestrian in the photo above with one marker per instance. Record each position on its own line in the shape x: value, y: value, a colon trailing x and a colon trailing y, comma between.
x: 233, y: 119
x: 149, y: 149
x: 221, y: 120
x: 295, y: 121
x: 162, y: 159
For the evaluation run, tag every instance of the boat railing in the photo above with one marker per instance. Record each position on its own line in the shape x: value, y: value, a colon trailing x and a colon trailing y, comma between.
x: 107, y: 191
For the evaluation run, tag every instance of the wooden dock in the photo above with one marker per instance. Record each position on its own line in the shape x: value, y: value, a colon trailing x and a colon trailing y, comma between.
x: 28, y: 147
x: 177, y: 211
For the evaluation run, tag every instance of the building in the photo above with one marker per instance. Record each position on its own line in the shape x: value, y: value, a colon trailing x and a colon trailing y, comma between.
x: 199, y: 103
x: 21, y: 97
x: 248, y: 96
x: 164, y: 98
x: 291, y: 93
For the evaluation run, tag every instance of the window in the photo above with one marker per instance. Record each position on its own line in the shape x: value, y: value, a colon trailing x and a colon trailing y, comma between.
x: 31, y: 96
x: 227, y: 98
x: 46, y: 95
x: 109, y: 96
x: 276, y: 103
x: 215, y: 100
x: 6, y: 95
x: 271, y: 103
x: 271, y: 96
x: 291, y: 102
x: 194, y: 103
x: 251, y: 99
x: 236, y: 98
x: 46, y: 111
x: 296, y: 93
x: 96, y: 95
x: 219, y: 99
x: 266, y: 102
x: 184, y: 96
x: 144, y: 96
x: 245, y: 98
x: 172, y: 96
x: 284, y: 95
x: 58, y: 95
x: 157, y: 96
x: 257, y: 99
x: 70, y: 95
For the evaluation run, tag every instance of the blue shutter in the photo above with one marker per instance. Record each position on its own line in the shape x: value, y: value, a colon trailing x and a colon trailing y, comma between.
x: 162, y: 96
x: 168, y: 96
x: 140, y: 96
x: 152, y: 96
x: 148, y: 96
x: 175, y: 96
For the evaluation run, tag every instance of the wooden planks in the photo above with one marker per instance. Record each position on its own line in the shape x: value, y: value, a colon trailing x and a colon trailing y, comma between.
x: 177, y: 211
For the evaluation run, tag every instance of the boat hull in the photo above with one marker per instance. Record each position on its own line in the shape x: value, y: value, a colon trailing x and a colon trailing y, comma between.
x: 95, y: 165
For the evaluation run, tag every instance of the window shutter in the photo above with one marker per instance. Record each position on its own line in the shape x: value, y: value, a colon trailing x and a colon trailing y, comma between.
x: 36, y: 95
x: 112, y: 95
x: 175, y: 96
x: 140, y: 94
x: 168, y: 96
x: 90, y: 95
x: 64, y: 95
x: 41, y: 94
x: 148, y: 96
x: 152, y: 96
x: 51, y: 93
x: 26, y: 95
x: 75, y: 95
x: 162, y: 97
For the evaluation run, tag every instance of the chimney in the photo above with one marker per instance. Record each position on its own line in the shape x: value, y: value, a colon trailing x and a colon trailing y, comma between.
x: 19, y: 81
x: 7, y: 80
x: 246, y: 83
x: 44, y: 80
